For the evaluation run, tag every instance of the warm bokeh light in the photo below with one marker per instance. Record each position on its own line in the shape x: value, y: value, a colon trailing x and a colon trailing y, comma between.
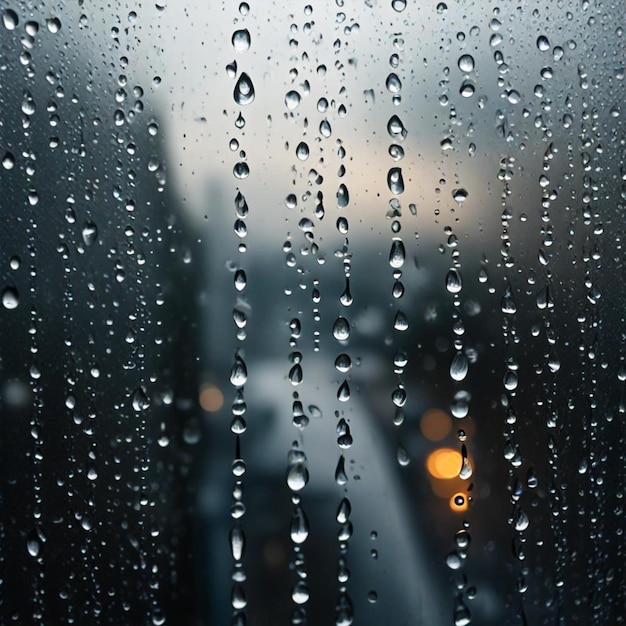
x: 211, y: 398
x: 444, y: 463
x: 458, y: 502
x: 436, y: 424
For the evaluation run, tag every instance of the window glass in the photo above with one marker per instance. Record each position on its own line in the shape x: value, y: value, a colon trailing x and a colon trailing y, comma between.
x: 312, y: 314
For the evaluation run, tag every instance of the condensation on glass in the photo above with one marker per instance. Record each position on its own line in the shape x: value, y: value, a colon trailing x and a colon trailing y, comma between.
x: 312, y: 314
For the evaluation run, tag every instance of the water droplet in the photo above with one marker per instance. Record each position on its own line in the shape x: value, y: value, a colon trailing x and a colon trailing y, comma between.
x: 398, y: 5
x: 297, y: 472
x: 454, y: 284
x: 466, y: 469
x: 395, y: 128
x: 10, y: 19
x: 466, y: 63
x: 238, y: 372
x: 402, y: 456
x: 341, y: 329
x: 467, y: 89
x: 53, y: 24
x: 460, y: 404
x: 459, y: 195
x: 8, y: 161
x: 543, y: 43
x: 343, y: 511
x: 10, y: 298
x: 521, y: 521
x: 401, y: 321
x: 299, y: 528
x: 241, y: 40
x: 90, y: 233
x: 240, y: 280
x: 393, y: 83
x: 395, y: 182
x: 346, y: 296
x: 341, y: 478
x: 300, y: 595
x: 244, y: 90
x: 295, y: 374
x: 459, y: 367
x: 343, y: 393
x: 237, y: 542
x: 343, y: 197
x: 343, y: 363
x: 397, y: 254
x: 140, y: 400
x: 292, y: 100
x: 241, y: 170
x: 302, y: 151
x: 454, y: 561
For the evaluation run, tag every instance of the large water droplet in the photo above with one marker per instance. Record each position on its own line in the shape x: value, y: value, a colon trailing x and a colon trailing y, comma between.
x: 521, y: 521
x: 90, y: 233
x: 466, y: 63
x: 244, y: 90
x: 292, y: 99
x: 459, y: 367
x: 341, y: 329
x: 343, y: 197
x: 454, y: 284
x: 241, y: 40
x: 397, y: 254
x: 297, y: 472
x: 238, y: 372
x: 140, y: 400
x: 395, y: 182
x: 299, y: 529
x: 295, y: 374
x: 343, y: 393
x: 10, y: 298
x: 237, y: 542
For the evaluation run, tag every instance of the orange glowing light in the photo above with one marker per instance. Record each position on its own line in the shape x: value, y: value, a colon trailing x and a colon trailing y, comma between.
x: 444, y: 463
x: 458, y: 502
x: 211, y: 398
x: 436, y: 424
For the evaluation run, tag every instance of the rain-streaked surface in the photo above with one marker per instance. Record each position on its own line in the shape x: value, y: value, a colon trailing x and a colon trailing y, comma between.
x: 312, y: 314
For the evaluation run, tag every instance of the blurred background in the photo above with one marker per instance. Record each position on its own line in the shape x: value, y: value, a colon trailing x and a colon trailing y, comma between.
x: 312, y: 315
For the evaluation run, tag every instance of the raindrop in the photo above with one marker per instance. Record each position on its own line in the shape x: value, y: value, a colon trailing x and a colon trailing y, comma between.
x: 343, y: 511
x: 10, y: 298
x: 341, y: 329
x: 466, y: 469
x: 401, y: 321
x: 466, y: 63
x: 53, y: 24
x: 343, y: 393
x: 241, y: 170
x: 343, y: 197
x: 341, y: 478
x: 10, y: 19
x: 302, y: 151
x: 454, y: 284
x: 299, y: 528
x: 395, y: 182
x: 346, y: 297
x: 543, y: 43
x: 402, y: 456
x: 241, y: 40
x: 295, y: 374
x: 238, y: 372
x: 460, y: 404
x: 395, y: 128
x: 467, y: 89
x: 393, y: 83
x: 454, y: 561
x: 459, y: 367
x: 292, y: 100
x: 343, y: 363
x: 90, y: 233
x: 397, y: 254
x: 8, y: 161
x: 459, y: 195
x: 244, y: 90
x: 297, y: 472
x: 140, y: 401
x: 240, y: 280
x: 521, y: 521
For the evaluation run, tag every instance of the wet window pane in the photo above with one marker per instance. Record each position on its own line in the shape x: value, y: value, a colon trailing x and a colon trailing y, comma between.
x: 312, y: 314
